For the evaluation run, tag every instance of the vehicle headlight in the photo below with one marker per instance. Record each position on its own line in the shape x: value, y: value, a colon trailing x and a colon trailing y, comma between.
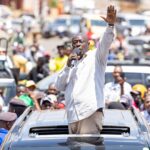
x: 61, y: 29
x: 74, y: 29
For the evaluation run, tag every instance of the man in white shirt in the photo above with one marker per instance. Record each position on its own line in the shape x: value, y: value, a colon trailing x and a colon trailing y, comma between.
x: 146, y: 112
x: 115, y: 89
x: 83, y: 81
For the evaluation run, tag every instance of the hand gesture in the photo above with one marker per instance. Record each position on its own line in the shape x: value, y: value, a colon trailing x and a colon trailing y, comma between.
x: 111, y: 15
x: 70, y: 58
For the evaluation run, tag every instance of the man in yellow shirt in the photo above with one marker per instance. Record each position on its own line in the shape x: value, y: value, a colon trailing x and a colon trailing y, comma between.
x: 60, y: 61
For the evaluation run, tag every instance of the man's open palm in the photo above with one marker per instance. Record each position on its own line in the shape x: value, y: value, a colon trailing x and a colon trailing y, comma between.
x: 111, y: 15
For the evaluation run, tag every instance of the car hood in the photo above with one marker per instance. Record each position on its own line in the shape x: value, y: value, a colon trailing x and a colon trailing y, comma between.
x: 73, y: 143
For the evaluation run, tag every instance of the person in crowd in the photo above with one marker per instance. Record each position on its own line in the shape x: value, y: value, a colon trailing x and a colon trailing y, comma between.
x: 146, y: 112
x: 68, y: 50
x: 83, y: 25
x: 138, y: 93
x: 89, y: 33
x: 47, y: 103
x: 30, y: 98
x: 19, y: 61
x: 30, y: 85
x: 92, y: 45
x: 60, y: 61
x: 52, y: 89
x: 17, y: 106
x: 112, y: 56
x: 115, y: 89
x: 53, y: 94
x: 126, y: 101
x: 40, y: 71
x: 83, y: 81
x: 22, y: 94
x: 7, y: 119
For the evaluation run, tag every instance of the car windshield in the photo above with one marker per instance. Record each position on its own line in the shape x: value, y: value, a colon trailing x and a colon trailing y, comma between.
x: 137, y: 22
x: 98, y: 23
x: 75, y: 21
x: 132, y: 78
x: 61, y: 21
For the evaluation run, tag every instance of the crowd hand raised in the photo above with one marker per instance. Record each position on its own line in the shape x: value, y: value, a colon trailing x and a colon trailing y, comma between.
x: 70, y: 58
x: 111, y: 15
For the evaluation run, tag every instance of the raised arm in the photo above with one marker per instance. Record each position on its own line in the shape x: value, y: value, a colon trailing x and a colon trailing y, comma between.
x: 105, y: 42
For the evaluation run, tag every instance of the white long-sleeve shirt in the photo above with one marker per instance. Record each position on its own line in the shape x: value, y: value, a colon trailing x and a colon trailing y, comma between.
x: 146, y: 116
x: 83, y: 84
x: 112, y: 91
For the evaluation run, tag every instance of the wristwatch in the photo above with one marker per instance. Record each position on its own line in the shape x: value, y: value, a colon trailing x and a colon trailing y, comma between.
x: 110, y: 24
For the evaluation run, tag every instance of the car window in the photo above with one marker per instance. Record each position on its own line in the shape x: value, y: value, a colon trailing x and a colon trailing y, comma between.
x: 61, y: 21
x: 75, y: 21
x: 137, y: 22
x: 98, y: 23
x: 132, y: 78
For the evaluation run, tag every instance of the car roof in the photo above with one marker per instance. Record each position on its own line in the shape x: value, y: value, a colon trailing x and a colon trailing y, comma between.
x: 39, y: 129
x: 129, y: 66
x: 7, y: 82
x: 123, y: 118
x: 129, y: 16
x: 130, y: 69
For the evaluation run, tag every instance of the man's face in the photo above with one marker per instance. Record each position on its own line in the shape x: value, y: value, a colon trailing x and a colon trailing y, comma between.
x: 79, y: 42
x: 21, y: 90
x: 116, y: 73
x: 46, y: 105
x: 61, y: 52
x: 147, y: 103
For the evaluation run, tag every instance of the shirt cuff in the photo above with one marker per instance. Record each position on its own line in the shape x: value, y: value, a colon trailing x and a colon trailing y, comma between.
x: 110, y: 29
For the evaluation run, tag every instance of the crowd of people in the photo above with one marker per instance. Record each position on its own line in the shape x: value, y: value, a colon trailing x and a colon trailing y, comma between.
x: 35, y: 63
x: 119, y: 94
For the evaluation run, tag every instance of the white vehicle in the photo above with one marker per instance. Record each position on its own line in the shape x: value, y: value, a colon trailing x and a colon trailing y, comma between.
x: 135, y: 22
x: 134, y: 72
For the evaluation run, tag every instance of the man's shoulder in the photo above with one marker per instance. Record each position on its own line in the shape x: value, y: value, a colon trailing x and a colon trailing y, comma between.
x: 145, y: 113
x: 128, y: 84
x: 109, y: 84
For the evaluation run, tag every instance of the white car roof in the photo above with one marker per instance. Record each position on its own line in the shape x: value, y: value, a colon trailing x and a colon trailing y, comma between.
x: 131, y: 69
x: 131, y: 16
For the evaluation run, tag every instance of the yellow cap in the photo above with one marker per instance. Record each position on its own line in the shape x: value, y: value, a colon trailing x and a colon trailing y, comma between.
x: 140, y: 88
x: 30, y: 83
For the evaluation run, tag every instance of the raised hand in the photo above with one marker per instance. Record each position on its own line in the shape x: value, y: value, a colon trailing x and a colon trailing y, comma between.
x: 111, y: 15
